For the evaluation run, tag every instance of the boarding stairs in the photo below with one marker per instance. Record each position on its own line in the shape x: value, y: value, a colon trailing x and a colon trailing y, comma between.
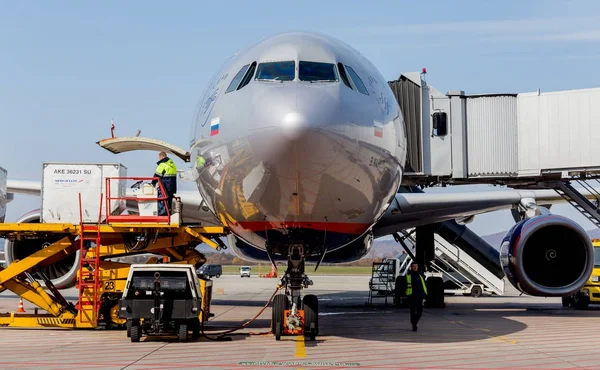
x: 450, y: 259
x: 579, y: 201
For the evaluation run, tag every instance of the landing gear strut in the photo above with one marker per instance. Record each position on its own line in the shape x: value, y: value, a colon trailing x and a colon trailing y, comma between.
x: 293, y: 314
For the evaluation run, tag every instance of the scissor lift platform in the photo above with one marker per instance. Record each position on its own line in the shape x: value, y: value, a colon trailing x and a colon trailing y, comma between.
x: 100, y: 282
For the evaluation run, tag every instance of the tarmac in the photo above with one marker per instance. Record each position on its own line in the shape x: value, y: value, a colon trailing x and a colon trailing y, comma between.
x: 495, y: 332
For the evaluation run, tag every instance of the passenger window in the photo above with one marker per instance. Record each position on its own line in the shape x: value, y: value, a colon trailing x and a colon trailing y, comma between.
x: 343, y: 75
x: 317, y: 72
x: 357, y: 81
x: 276, y: 71
x: 248, y: 76
x: 440, y: 124
x: 236, y: 80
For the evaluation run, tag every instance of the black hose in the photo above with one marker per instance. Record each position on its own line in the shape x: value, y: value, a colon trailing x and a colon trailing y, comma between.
x: 221, y: 336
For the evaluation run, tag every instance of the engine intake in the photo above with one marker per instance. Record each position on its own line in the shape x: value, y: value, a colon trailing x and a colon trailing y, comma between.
x: 63, y: 273
x: 547, y: 255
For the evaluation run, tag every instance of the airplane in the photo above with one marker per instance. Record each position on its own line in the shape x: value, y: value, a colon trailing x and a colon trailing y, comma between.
x: 299, y: 148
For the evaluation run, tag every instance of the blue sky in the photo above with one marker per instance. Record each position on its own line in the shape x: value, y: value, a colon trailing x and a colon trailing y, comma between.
x: 67, y: 68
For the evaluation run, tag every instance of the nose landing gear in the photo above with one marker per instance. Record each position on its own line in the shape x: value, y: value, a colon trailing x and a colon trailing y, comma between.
x: 293, y: 315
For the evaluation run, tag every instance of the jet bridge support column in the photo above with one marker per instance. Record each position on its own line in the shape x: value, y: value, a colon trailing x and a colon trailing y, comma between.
x: 425, y: 254
x: 425, y: 247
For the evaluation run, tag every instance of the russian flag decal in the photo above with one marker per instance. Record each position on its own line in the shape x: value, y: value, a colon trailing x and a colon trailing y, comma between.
x: 378, y: 129
x: 214, y: 126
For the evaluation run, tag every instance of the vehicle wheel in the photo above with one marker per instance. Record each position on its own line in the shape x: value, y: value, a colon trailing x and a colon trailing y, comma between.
x: 280, y: 303
x: 182, y: 335
x: 218, y: 276
x: 128, y: 326
x: 476, y: 291
x: 566, y: 301
x: 310, y: 304
x: 136, y: 333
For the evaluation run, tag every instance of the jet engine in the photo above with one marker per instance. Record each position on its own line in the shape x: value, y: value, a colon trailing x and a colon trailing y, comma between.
x: 63, y: 273
x: 547, y: 255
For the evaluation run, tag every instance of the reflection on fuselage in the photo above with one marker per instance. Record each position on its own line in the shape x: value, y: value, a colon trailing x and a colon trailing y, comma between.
x: 311, y: 164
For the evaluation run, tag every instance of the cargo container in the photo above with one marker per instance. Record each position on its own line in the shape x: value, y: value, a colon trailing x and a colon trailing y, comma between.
x: 63, y: 182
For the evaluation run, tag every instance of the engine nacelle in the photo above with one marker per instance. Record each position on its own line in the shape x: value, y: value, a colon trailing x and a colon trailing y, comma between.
x: 548, y: 256
x: 63, y: 273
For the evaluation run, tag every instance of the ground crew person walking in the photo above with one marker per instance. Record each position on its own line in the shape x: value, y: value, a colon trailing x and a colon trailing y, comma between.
x: 167, y: 172
x: 416, y: 290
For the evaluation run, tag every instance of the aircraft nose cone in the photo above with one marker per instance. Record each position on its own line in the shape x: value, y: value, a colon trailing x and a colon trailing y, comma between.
x: 293, y: 125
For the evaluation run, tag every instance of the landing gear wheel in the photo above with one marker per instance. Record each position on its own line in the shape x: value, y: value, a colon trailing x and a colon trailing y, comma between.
x: 476, y: 292
x: 280, y: 303
x: 136, y: 333
x: 581, y: 302
x: 435, y: 292
x: 310, y: 304
x: 128, y: 326
x: 399, y: 290
x: 182, y: 335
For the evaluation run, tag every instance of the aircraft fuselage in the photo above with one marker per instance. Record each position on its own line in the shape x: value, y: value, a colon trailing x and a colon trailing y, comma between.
x: 306, y: 146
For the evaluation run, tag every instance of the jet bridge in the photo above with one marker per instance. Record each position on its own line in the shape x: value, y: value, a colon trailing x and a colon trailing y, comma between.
x: 515, y: 139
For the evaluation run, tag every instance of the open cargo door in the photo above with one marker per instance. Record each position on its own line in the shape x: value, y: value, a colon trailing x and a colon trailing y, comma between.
x: 131, y: 143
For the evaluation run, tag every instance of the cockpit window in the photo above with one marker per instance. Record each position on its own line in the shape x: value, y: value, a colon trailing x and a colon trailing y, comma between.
x: 276, y: 71
x: 317, y: 72
x: 357, y: 81
x: 236, y: 80
x: 343, y: 75
x: 248, y: 76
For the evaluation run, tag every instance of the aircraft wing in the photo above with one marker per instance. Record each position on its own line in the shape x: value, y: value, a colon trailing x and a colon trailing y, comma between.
x: 24, y: 187
x: 415, y: 209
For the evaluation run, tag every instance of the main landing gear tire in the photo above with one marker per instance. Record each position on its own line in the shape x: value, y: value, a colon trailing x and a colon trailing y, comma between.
x: 280, y: 302
x: 435, y: 292
x: 399, y: 290
x: 310, y: 303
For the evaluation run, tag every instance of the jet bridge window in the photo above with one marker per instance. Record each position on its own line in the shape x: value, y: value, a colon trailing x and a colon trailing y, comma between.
x: 317, y: 72
x: 440, y: 124
x: 357, y: 81
x: 276, y: 71
x: 236, y: 80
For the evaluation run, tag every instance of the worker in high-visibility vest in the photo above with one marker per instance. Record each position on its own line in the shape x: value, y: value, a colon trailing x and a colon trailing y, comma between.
x: 416, y: 290
x: 167, y: 172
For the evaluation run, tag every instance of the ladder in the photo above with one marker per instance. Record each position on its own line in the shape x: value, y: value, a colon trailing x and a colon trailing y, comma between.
x: 383, y: 279
x: 580, y: 202
x: 89, y: 274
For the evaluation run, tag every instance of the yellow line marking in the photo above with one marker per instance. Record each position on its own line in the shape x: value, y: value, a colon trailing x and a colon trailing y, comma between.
x: 300, y: 349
